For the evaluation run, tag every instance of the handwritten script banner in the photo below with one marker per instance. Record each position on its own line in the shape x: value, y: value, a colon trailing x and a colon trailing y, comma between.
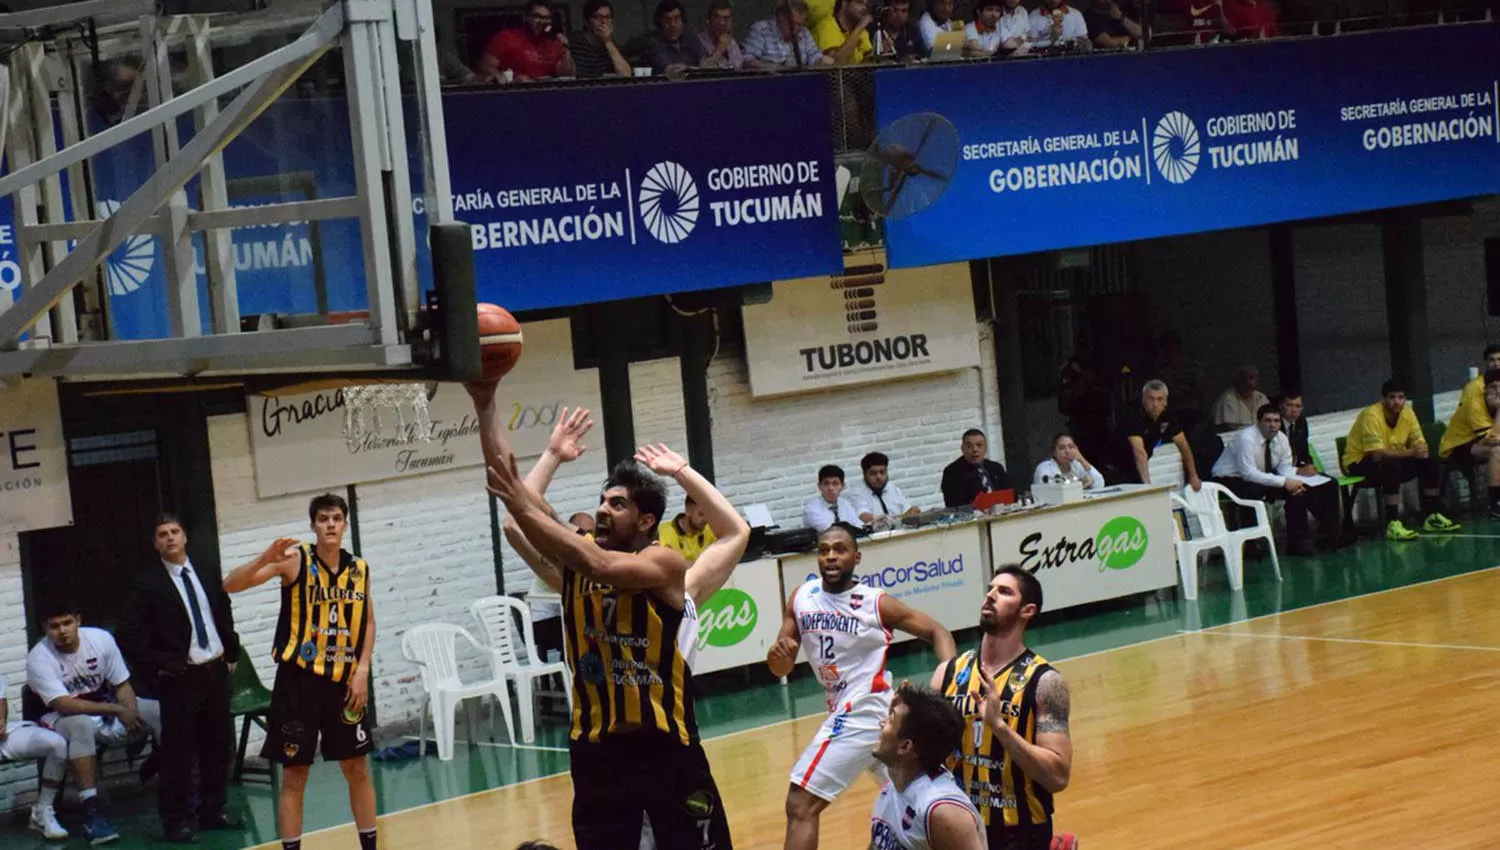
x: 298, y: 440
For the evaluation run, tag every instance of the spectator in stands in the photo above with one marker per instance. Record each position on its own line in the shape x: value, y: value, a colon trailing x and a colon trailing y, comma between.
x: 716, y: 42
x: 532, y: 51
x: 938, y: 18
x: 1056, y: 24
x: 973, y: 473
x: 982, y: 37
x: 1015, y: 28
x: 688, y: 532
x: 80, y: 675
x: 1258, y: 463
x: 23, y: 741
x: 832, y: 504
x: 453, y: 71
x: 1248, y: 18
x: 1386, y: 446
x: 583, y: 521
x: 783, y: 41
x: 844, y: 36
x: 1294, y: 425
x: 1150, y: 425
x: 668, y: 50
x: 1067, y: 463
x: 1471, y: 438
x: 875, y: 497
x: 897, y: 37
x: 593, y: 49
x: 1110, y: 26
x: 1235, y: 408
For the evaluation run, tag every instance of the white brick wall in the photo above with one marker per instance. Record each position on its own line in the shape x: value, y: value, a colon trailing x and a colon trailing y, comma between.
x: 18, y: 781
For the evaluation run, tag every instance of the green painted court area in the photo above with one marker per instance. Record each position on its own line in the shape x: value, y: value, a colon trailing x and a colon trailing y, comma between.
x: 734, y: 701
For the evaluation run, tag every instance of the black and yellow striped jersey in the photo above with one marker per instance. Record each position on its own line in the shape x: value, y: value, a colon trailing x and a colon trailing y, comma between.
x: 996, y: 784
x: 323, y: 612
x: 629, y: 653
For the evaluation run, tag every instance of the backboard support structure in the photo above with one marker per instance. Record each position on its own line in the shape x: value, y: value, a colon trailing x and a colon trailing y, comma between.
x: 40, y: 331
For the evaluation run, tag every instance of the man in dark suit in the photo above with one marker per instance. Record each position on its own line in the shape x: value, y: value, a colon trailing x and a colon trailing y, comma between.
x: 973, y: 473
x: 182, y: 644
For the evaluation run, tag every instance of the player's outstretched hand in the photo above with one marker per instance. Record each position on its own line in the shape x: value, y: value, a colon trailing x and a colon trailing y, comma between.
x: 284, y: 547
x: 661, y: 460
x: 994, y: 707
x: 567, y: 435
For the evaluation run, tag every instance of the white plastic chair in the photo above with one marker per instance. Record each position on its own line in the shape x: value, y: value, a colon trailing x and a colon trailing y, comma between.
x: 433, y: 646
x: 1213, y: 535
x: 1261, y: 530
x: 496, y: 625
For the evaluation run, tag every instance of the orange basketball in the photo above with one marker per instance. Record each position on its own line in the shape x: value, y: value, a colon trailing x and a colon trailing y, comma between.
x: 499, y: 341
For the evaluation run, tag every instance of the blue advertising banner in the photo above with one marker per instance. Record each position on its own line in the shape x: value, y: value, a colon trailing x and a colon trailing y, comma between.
x: 582, y: 195
x: 1059, y: 154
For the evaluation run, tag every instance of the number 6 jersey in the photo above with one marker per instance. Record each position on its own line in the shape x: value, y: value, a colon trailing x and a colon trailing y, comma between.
x: 846, y: 643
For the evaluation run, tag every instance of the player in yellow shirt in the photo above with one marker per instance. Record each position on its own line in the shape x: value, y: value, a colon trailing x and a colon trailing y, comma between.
x: 1386, y: 446
x: 1471, y: 438
x: 844, y: 36
x: 688, y: 532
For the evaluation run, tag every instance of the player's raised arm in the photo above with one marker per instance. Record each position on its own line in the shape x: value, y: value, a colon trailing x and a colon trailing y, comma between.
x: 896, y: 614
x: 279, y: 559
x: 732, y: 534
x: 564, y: 446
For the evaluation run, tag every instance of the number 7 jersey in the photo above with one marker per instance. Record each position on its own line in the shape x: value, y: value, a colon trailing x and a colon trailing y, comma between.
x: 846, y: 643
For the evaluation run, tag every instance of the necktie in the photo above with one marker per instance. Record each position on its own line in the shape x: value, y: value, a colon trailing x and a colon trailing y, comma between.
x: 984, y: 479
x: 199, y: 628
x: 835, y: 511
x: 880, y: 497
x: 1269, y: 467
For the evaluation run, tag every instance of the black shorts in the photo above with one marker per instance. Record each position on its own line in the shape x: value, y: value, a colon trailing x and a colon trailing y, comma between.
x: 624, y: 776
x: 1463, y: 454
x: 1035, y: 837
x: 306, y: 707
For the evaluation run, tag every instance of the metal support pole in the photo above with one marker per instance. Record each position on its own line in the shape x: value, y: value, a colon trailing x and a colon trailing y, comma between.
x: 44, y: 81
x: 1284, y: 308
x: 436, y: 185
x: 1406, y: 307
x: 366, y: 128
x: 183, y: 314
x: 22, y: 152
x: 1016, y: 437
x: 218, y: 245
x: 697, y: 344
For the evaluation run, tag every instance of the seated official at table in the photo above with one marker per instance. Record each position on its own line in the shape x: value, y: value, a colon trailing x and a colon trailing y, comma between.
x: 1258, y: 463
x: 973, y: 473
x: 832, y: 504
x: 688, y: 532
x: 875, y: 497
x: 1067, y: 463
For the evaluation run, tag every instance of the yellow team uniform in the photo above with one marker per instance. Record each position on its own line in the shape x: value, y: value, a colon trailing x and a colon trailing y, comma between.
x: 1471, y: 419
x: 1003, y: 793
x: 690, y: 545
x: 321, y: 628
x: 1372, y: 432
x: 830, y: 36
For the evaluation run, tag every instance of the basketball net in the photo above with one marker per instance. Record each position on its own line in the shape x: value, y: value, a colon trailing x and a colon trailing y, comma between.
x: 377, y: 415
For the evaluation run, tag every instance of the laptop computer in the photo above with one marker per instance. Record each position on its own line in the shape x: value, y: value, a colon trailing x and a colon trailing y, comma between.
x: 947, y: 46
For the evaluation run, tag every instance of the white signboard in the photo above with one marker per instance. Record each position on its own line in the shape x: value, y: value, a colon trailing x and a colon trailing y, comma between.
x: 939, y: 572
x: 737, y: 625
x: 870, y: 324
x: 1101, y: 548
x: 33, y: 459
x: 298, y: 441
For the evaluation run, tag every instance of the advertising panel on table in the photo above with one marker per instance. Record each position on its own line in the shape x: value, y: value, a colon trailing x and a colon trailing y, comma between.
x: 941, y: 572
x: 1099, y: 549
x: 298, y: 441
x: 1116, y: 148
x: 869, y: 324
x: 33, y: 458
x: 737, y: 625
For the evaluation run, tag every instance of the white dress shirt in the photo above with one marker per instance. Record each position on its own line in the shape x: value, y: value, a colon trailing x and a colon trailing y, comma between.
x: 930, y: 28
x: 818, y: 514
x: 1015, y: 23
x: 1245, y: 457
x: 865, y: 500
x: 1050, y: 468
x: 1073, y: 27
x: 215, y: 648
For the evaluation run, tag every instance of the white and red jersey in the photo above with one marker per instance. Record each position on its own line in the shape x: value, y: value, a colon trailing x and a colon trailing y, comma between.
x: 899, y: 819
x: 846, y: 643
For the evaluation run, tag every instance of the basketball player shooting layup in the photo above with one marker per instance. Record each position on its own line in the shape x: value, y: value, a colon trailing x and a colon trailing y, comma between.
x: 325, y: 637
x: 1016, y: 750
x: 845, y: 628
x: 922, y: 807
x: 634, y: 748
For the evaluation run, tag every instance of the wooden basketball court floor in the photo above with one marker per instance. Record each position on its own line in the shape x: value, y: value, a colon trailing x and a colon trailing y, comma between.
x: 1363, y: 722
x: 1352, y: 705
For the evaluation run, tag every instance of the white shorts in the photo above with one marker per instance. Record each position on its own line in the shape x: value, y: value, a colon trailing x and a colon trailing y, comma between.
x: 843, y: 749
